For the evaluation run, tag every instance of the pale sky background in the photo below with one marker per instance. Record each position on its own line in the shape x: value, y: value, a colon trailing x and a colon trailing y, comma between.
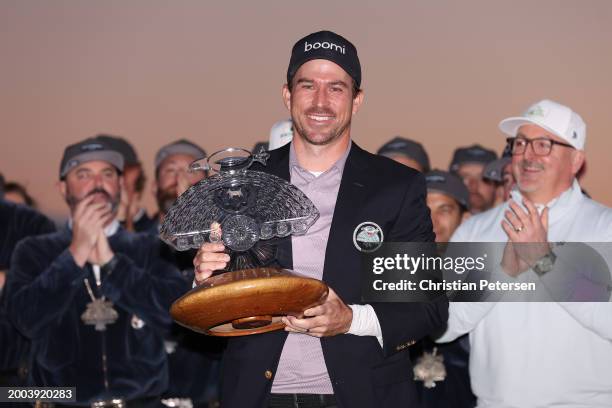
x: 442, y: 72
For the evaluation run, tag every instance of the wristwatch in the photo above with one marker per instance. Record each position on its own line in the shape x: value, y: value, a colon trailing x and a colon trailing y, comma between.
x: 545, y: 264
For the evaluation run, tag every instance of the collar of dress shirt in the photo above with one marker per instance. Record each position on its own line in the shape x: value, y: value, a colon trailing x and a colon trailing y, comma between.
x: 558, y: 206
x: 337, y: 166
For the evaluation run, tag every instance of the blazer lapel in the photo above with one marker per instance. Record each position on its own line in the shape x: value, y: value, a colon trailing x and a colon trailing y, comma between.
x: 350, y: 197
x: 279, y: 165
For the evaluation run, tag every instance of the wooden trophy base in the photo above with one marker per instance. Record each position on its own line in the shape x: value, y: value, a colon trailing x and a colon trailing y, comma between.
x: 246, y: 302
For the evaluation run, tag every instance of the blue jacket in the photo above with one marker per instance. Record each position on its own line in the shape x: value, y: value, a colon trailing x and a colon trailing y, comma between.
x: 48, y: 296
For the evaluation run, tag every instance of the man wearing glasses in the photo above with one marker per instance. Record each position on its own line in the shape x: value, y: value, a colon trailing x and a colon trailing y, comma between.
x: 550, y: 353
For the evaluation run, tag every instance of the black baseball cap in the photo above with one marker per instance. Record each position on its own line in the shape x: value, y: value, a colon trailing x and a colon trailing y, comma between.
x: 471, y: 154
x: 449, y: 184
x: 329, y: 46
x: 406, y: 147
x: 181, y: 146
x: 122, y: 146
x: 93, y: 148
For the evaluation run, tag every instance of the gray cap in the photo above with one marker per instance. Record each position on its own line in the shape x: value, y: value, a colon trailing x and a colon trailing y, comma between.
x: 471, y: 154
x: 495, y: 170
x: 449, y: 184
x: 88, y: 150
x: 406, y: 147
x: 122, y: 146
x: 181, y: 146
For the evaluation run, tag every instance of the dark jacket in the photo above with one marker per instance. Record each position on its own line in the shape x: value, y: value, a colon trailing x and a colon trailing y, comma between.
x: 362, y: 373
x: 16, y: 223
x: 48, y: 297
x: 193, y: 358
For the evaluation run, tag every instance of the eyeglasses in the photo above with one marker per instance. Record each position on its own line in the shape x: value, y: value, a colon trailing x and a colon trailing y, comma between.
x: 542, y: 146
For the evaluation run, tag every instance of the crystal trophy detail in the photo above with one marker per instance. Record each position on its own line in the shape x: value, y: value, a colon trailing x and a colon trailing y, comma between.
x: 249, y: 211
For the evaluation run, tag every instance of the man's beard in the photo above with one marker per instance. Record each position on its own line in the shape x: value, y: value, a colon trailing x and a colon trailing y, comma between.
x: 479, y: 202
x: 333, y: 134
x: 114, y: 201
x: 165, y: 199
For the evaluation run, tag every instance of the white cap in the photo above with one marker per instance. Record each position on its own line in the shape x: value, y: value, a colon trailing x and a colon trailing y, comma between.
x: 280, y: 134
x: 553, y: 117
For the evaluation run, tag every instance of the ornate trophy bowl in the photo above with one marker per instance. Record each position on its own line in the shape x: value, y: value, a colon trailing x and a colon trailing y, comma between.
x: 249, y: 211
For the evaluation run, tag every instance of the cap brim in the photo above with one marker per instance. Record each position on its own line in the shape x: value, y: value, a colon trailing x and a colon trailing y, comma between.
x: 316, y: 57
x: 510, y: 126
x: 437, y: 188
x: 110, y: 156
x: 178, y: 148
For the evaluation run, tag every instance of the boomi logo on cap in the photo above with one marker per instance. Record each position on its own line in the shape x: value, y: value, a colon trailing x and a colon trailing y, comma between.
x: 325, y: 45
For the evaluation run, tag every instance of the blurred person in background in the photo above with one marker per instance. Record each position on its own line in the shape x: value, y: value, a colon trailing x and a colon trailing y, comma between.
x: 131, y: 214
x: 16, y: 223
x: 172, y: 174
x: 17, y: 193
x: 499, y: 171
x: 193, y: 358
x: 93, y: 298
x: 469, y: 164
x: 448, y: 201
x: 281, y: 133
x: 556, y: 353
x: 407, y: 152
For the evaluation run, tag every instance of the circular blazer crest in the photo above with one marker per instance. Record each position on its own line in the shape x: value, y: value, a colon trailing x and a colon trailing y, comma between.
x: 368, y: 236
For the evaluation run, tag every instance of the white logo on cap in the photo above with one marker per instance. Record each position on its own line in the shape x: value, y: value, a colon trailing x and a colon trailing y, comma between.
x: 435, y: 179
x: 325, y: 45
x: 92, y: 146
x: 368, y: 236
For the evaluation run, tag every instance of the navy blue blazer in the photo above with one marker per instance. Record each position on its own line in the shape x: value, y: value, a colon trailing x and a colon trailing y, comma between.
x: 363, y: 374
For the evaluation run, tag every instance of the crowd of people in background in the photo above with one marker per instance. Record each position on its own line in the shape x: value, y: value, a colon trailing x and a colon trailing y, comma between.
x: 86, y: 304
x: 27, y: 344
x: 38, y: 349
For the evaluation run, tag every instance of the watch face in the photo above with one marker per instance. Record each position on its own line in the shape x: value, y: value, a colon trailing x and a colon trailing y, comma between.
x: 545, y: 264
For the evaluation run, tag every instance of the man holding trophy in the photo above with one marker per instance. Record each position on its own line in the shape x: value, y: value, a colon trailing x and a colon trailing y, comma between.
x: 342, y: 352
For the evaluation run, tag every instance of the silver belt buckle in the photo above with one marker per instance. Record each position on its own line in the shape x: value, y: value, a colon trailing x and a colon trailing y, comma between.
x: 112, y: 403
x: 177, y: 402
